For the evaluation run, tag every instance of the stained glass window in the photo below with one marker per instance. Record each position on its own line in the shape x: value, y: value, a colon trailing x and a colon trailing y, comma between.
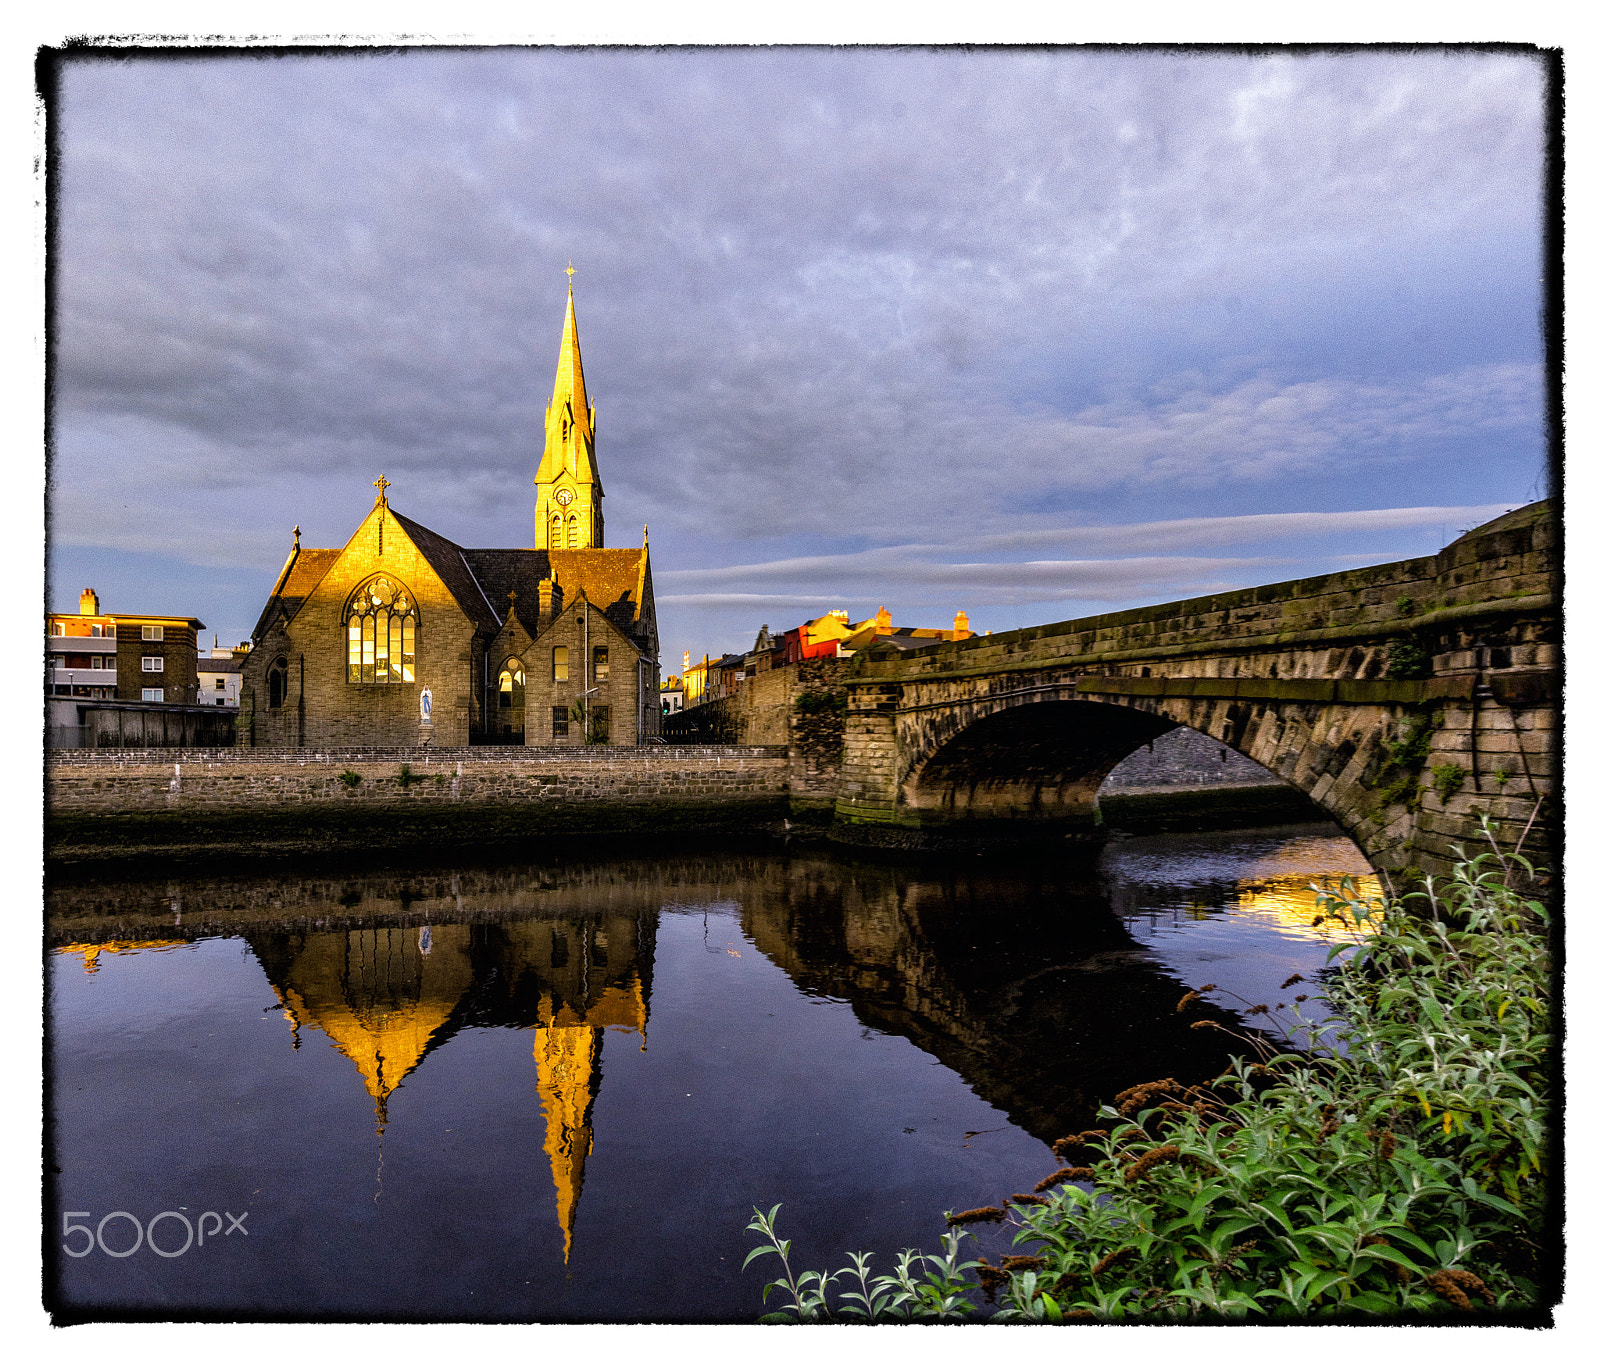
x: 381, y: 634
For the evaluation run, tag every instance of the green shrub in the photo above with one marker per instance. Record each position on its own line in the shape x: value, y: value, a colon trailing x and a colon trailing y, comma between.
x: 406, y: 777
x: 1407, y: 659
x: 1392, y: 1167
x: 350, y: 779
x: 820, y: 703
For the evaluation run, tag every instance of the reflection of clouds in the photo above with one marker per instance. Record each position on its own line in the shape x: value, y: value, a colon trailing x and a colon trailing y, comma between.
x: 1291, y: 903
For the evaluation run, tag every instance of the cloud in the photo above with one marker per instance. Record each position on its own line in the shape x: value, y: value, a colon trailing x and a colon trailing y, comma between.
x: 828, y: 298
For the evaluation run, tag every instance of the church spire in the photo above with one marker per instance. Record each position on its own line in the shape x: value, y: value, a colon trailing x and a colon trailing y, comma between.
x: 568, y: 481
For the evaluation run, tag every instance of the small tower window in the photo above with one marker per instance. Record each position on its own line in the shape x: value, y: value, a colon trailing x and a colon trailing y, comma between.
x: 558, y: 664
x: 572, y: 532
x: 602, y: 663
x: 555, y: 532
x: 512, y: 685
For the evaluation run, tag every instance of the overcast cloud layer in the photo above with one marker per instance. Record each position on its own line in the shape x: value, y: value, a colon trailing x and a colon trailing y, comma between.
x: 1029, y: 334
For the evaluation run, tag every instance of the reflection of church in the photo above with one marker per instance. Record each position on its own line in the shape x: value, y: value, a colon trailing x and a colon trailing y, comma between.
x: 386, y: 998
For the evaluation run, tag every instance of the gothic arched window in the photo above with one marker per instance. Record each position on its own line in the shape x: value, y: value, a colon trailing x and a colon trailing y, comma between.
x: 572, y: 532
x: 512, y: 684
x: 277, y: 683
x: 555, y: 532
x: 381, y: 633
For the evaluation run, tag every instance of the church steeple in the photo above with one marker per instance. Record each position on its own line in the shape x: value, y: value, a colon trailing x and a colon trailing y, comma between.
x: 567, y: 512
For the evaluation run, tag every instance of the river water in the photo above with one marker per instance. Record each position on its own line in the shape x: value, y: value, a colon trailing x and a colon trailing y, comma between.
x: 553, y: 1092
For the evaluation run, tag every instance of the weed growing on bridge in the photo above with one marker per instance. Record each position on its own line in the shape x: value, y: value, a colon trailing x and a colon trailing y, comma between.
x: 1395, y: 1168
x: 1400, y: 774
x: 1448, y: 780
x: 820, y: 703
x: 1406, y: 659
x: 351, y: 779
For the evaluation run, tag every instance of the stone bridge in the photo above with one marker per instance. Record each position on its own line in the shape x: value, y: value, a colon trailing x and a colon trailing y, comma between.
x: 1404, y: 699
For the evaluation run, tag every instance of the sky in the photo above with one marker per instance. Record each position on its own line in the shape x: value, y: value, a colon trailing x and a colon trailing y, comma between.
x: 1032, y: 334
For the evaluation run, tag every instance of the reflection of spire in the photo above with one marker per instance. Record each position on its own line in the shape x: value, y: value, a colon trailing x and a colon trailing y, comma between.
x: 568, y: 1061
x: 567, y: 1051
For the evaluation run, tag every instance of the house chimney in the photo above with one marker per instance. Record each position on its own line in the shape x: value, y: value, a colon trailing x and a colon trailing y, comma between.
x: 963, y: 627
x: 883, y: 621
x: 550, y: 599
x: 88, y: 603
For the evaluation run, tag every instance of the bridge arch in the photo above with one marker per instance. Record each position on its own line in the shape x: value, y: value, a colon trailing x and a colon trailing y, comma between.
x: 1035, y: 757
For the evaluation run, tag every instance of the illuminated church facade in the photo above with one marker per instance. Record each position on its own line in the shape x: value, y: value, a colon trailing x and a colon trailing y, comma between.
x: 403, y: 637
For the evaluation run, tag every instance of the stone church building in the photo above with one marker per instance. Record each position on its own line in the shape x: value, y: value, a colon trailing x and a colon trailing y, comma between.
x: 402, y: 637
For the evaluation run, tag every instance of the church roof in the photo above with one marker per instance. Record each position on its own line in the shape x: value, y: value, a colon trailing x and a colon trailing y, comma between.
x: 608, y: 578
x: 449, y: 562
x: 302, y: 572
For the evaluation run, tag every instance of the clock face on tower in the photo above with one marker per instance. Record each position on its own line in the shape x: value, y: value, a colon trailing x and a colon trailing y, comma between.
x: 564, y: 497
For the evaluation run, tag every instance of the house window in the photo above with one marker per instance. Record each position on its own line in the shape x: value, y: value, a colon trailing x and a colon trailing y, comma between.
x: 111, y: 632
x: 58, y: 628
x: 277, y: 683
x: 602, y: 662
x: 220, y: 685
x: 558, y: 665
x: 152, y: 664
x: 152, y: 695
x: 512, y: 684
x: 146, y: 632
x: 99, y: 630
x: 381, y: 634
x: 558, y: 723
x: 600, y: 725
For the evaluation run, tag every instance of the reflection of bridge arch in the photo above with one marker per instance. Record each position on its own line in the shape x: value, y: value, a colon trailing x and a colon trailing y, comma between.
x: 1301, y: 677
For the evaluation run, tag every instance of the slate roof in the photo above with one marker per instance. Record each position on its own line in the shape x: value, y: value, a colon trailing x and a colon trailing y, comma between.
x: 449, y: 562
x: 481, y: 581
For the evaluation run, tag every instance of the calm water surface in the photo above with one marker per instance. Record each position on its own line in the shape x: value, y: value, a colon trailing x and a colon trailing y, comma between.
x: 553, y: 1092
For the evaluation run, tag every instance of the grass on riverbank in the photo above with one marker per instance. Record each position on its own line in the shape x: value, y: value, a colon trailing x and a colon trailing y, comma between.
x: 1394, y: 1168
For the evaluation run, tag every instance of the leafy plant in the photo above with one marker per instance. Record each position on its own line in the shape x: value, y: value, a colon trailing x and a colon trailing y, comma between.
x: 1407, y: 659
x: 351, y: 779
x: 1391, y: 1165
x: 1403, y: 759
x: 406, y: 777
x: 1403, y: 606
x: 820, y: 704
x: 1448, y: 780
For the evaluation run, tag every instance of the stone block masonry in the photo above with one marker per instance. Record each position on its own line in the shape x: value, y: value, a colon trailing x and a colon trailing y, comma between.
x: 140, y: 801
